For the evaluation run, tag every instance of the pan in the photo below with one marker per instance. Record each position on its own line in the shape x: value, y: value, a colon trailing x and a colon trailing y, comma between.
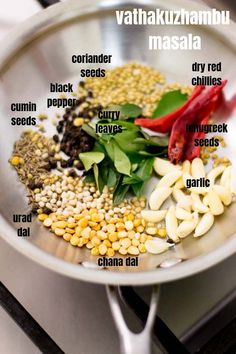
x: 39, y: 52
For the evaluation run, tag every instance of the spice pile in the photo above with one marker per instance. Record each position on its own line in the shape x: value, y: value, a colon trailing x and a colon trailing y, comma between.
x: 34, y: 155
x: 210, y: 152
x: 84, y: 217
x: 131, y: 83
x: 92, y: 210
x: 195, y: 207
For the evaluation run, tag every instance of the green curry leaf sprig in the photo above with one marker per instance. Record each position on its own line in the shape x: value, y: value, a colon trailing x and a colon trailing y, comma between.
x: 123, y: 160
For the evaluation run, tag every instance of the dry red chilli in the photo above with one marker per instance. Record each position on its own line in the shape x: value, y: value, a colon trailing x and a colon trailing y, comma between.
x: 181, y: 145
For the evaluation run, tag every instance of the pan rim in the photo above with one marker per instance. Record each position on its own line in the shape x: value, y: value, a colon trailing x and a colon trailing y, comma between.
x: 59, y: 14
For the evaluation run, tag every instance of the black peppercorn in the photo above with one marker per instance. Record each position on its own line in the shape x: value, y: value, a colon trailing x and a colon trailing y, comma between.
x: 64, y: 164
x: 70, y: 162
x: 59, y: 129
x: 53, y: 163
x: 72, y: 173
x: 56, y: 138
x: 46, y: 210
x: 79, y: 165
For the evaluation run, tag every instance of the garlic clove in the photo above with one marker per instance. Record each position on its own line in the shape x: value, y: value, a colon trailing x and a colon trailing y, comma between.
x: 162, y: 166
x: 204, y: 224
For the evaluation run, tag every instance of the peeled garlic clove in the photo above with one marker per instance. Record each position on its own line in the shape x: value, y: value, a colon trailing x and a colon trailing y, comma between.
x: 185, y: 203
x: 224, y: 194
x: 225, y: 178
x: 169, y: 179
x: 186, y: 166
x: 172, y: 224
x: 204, y: 224
x: 233, y: 181
x: 153, y: 215
x: 198, y: 205
x: 214, y: 173
x: 205, y: 200
x: 197, y: 168
x: 158, y: 196
x: 178, y: 194
x: 156, y: 246
x: 179, y: 184
x: 162, y: 167
x: 215, y: 204
x: 187, y: 227
x: 183, y: 214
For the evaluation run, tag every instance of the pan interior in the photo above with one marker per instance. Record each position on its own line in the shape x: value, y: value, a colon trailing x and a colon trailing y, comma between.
x: 47, y: 59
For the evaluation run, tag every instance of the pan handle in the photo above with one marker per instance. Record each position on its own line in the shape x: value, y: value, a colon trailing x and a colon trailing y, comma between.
x: 46, y: 3
x: 132, y: 343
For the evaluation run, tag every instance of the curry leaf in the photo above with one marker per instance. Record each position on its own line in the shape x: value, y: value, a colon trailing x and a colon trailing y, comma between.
x: 130, y: 110
x: 89, y: 130
x: 112, y: 178
x: 160, y: 153
x: 126, y: 141
x: 137, y: 188
x: 121, y: 161
x: 153, y: 141
x: 90, y: 158
x: 89, y: 178
x: 169, y: 102
x: 95, y: 171
x: 103, y: 175
x: 131, y: 180
x: 109, y: 149
x: 120, y: 193
x: 98, y: 147
x: 145, y: 170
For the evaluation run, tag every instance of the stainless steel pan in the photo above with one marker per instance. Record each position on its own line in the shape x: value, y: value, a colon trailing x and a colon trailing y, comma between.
x: 39, y: 52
